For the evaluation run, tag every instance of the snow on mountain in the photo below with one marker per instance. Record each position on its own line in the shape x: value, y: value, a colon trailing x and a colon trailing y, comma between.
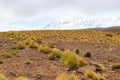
x: 84, y: 22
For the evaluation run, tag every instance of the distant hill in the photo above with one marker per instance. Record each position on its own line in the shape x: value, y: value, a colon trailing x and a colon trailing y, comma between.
x: 110, y: 29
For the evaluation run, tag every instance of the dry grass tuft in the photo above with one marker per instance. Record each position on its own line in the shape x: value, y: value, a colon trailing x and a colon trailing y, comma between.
x: 99, y: 67
x: 93, y: 75
x: 6, y: 55
x: 2, y: 77
x: 72, y: 60
x: 55, y: 53
x: 64, y: 76
x: 16, y: 54
x: 22, y: 78
x: 115, y: 66
x: 27, y: 42
x: 28, y: 62
x: 33, y: 44
x: 1, y: 62
x: 44, y: 49
x: 20, y: 45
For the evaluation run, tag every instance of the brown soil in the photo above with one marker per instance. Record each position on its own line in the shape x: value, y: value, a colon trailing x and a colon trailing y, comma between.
x: 44, y: 69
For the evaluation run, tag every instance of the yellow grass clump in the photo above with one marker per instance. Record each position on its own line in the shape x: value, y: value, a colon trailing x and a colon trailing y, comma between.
x: 64, y: 76
x: 22, y: 78
x: 115, y: 66
x: 93, y: 75
x: 20, y: 45
x: 6, y: 55
x: 1, y: 62
x: 65, y: 55
x: 33, y: 44
x: 55, y: 53
x: 71, y: 60
x: 27, y: 42
x: 2, y: 77
x: 99, y: 67
x: 44, y: 49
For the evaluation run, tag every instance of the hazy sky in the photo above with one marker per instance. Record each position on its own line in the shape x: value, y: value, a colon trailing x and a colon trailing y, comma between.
x: 33, y: 14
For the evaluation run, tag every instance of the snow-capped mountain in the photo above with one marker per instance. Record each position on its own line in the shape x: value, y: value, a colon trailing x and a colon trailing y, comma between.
x: 84, y: 22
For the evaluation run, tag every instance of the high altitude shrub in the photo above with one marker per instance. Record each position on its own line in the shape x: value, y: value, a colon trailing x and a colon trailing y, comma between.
x: 16, y: 54
x: 99, y: 67
x: 82, y: 62
x: 55, y: 53
x: 74, y: 61
x: 46, y: 44
x: 27, y: 42
x: 93, y: 75
x: 73, y: 77
x: 65, y: 55
x: 1, y: 61
x: 87, y: 54
x: 28, y: 62
x: 6, y: 55
x: 20, y: 45
x: 76, y: 50
x: 65, y: 76
x: 22, y: 78
x: 44, y: 49
x: 115, y: 66
x: 71, y: 60
x: 14, y: 48
x: 2, y: 77
x: 62, y: 76
x: 33, y: 44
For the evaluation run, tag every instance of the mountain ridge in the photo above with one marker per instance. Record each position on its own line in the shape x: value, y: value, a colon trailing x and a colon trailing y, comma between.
x: 84, y: 23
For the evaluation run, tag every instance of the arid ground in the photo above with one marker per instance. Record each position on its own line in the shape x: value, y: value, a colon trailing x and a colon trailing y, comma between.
x: 35, y: 65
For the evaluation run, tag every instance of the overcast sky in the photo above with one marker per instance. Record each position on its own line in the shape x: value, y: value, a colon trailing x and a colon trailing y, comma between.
x: 33, y: 14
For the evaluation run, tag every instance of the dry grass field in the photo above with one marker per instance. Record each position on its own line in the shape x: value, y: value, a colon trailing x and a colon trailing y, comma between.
x: 59, y: 55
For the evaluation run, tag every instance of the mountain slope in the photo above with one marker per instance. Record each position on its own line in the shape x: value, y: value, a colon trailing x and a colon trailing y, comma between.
x: 83, y: 23
x: 111, y: 29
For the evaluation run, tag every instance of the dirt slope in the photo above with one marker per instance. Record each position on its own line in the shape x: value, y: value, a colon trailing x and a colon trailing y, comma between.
x: 44, y: 69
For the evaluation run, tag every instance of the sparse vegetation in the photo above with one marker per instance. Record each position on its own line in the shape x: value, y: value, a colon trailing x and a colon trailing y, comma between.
x: 55, y: 43
x: 65, y: 55
x: 22, y: 78
x: 65, y: 76
x: 93, y: 75
x: 82, y: 61
x: 2, y: 77
x: 1, y: 61
x: 99, y: 67
x: 14, y: 48
x: 115, y: 66
x: 71, y: 60
x: 27, y: 42
x: 33, y: 44
x: 16, y: 54
x: 87, y: 54
x: 28, y: 62
x: 55, y: 53
x: 76, y: 50
x: 44, y: 49
x: 6, y: 55
x: 20, y: 45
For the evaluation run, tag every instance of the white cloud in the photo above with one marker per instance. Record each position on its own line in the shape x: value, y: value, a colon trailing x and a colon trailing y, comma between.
x: 28, y: 8
x: 18, y: 27
x: 12, y: 10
